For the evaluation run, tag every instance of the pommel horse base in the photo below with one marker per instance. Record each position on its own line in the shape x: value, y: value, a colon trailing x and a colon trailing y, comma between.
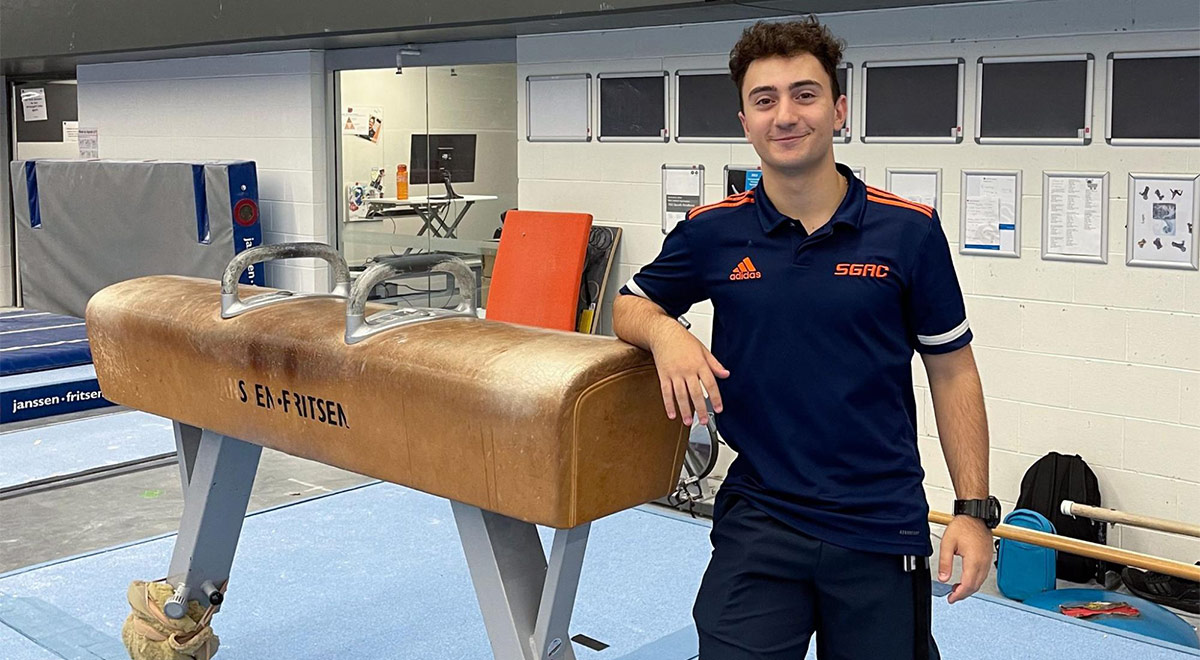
x: 517, y: 426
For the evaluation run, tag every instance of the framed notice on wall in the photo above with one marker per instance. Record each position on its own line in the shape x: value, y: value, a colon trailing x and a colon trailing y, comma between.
x: 1162, y: 224
x: 740, y: 178
x: 558, y: 108
x: 990, y: 213
x: 1075, y: 216
x: 682, y: 190
x: 916, y: 185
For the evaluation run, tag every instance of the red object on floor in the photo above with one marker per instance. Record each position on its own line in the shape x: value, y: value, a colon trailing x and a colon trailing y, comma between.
x: 1085, y: 610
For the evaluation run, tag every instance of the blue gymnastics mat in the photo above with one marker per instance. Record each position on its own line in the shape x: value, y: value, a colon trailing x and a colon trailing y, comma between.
x: 377, y: 572
x: 37, y: 341
x: 54, y: 450
x: 45, y: 367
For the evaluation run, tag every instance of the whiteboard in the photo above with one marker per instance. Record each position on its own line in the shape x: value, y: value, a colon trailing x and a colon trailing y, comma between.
x: 558, y: 108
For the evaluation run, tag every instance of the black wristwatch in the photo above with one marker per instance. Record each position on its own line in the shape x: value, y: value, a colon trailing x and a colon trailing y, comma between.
x: 986, y: 510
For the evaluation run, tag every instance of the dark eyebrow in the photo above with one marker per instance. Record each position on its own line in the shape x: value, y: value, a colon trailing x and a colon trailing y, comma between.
x: 793, y: 86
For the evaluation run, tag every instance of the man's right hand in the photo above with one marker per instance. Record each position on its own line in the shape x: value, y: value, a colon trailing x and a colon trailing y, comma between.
x: 685, y: 370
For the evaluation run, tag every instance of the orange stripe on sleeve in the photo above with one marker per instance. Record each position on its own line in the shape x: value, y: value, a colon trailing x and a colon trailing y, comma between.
x: 724, y: 204
x: 883, y: 193
x: 924, y: 210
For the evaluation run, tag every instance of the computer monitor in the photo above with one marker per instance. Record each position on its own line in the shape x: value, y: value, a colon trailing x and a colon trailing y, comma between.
x: 436, y: 159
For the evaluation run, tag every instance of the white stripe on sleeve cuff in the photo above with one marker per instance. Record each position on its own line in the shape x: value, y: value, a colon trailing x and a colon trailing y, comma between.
x: 945, y: 337
x: 637, y: 290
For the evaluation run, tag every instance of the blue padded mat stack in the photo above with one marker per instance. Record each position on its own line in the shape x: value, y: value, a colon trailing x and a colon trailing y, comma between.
x: 39, y: 341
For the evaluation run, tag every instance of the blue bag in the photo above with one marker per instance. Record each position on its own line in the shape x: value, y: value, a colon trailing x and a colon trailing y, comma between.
x: 1023, y: 570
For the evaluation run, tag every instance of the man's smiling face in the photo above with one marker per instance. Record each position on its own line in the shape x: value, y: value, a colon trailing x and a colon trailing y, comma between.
x: 789, y: 113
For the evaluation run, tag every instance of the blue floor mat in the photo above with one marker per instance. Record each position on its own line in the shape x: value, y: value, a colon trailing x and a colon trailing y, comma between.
x: 64, y: 448
x: 377, y: 573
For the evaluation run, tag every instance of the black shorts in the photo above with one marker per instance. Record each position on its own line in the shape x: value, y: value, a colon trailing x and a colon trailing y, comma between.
x: 769, y: 587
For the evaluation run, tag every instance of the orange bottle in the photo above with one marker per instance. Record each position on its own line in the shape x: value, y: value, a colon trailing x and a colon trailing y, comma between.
x: 401, y: 181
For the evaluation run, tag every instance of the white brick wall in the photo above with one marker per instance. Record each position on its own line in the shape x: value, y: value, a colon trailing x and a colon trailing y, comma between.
x: 1100, y: 360
x: 269, y: 108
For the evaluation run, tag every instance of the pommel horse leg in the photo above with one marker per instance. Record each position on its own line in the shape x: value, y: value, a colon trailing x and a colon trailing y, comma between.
x: 217, y: 473
x: 526, y: 603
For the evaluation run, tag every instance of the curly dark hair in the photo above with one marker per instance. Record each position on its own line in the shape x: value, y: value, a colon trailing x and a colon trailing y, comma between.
x: 787, y: 39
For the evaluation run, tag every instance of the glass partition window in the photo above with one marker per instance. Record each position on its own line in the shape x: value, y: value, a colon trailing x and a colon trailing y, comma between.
x: 427, y: 162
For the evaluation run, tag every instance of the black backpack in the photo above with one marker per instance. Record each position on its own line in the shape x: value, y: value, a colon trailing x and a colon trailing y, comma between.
x: 1049, y: 481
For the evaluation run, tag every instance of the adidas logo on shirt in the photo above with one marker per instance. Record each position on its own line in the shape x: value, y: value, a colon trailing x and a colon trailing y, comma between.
x: 745, y: 271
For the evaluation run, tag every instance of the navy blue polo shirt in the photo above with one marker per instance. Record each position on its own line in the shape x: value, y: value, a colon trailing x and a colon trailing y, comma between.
x: 818, y: 333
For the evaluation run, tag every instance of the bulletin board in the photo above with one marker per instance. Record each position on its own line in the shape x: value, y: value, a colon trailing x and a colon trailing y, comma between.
x: 1167, y: 82
x: 633, y: 107
x: 919, y: 101
x: 706, y: 107
x: 1034, y: 100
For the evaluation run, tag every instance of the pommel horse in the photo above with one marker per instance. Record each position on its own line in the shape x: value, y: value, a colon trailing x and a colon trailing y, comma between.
x: 516, y: 426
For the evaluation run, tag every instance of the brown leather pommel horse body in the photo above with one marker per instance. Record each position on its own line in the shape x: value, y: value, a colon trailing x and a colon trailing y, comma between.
x: 517, y: 426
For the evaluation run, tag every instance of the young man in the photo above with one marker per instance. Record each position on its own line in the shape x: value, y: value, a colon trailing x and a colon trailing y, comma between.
x: 822, y: 288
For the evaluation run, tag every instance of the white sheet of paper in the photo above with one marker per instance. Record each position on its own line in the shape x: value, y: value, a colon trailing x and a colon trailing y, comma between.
x: 33, y: 102
x: 982, y: 229
x: 1075, y: 213
x: 89, y: 143
x: 70, y: 131
x: 917, y: 187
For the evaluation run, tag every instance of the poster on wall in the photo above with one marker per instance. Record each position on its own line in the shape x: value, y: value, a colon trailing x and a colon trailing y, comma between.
x: 1161, y: 228
x: 89, y: 143
x: 916, y: 185
x: 70, y: 131
x: 1075, y: 216
x: 365, y: 121
x: 33, y: 104
x: 682, y: 190
x: 990, y: 213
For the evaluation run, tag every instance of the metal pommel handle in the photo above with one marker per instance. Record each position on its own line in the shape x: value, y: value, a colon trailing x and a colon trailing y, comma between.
x: 358, y: 327
x: 232, y: 305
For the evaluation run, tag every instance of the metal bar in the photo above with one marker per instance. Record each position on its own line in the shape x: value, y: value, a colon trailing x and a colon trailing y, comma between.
x: 459, y: 218
x: 551, y: 634
x: 215, y: 501
x: 526, y: 603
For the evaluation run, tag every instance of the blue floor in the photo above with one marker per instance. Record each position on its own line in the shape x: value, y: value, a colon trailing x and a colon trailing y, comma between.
x: 64, y: 448
x: 377, y: 572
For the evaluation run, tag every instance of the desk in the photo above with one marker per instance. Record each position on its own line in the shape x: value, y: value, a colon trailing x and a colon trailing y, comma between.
x: 434, y: 211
